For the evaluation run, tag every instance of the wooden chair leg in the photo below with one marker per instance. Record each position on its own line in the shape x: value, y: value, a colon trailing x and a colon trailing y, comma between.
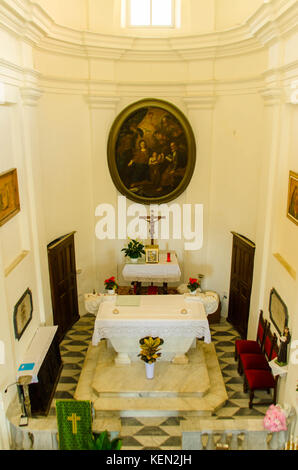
x: 245, y: 385
x: 240, y: 368
x: 251, y: 397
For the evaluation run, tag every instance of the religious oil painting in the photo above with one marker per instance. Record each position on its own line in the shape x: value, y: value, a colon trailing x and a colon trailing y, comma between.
x: 9, y: 196
x: 278, y: 311
x: 151, y: 152
x: 292, y: 210
x: 23, y: 313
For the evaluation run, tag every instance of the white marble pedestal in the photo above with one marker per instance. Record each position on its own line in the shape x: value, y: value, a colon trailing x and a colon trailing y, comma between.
x: 193, y: 389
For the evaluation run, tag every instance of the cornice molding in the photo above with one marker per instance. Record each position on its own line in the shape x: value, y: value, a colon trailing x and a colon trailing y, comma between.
x: 202, y: 91
x: 200, y: 102
x: 30, y: 96
x: 31, y: 23
x: 273, y: 96
x: 102, y: 102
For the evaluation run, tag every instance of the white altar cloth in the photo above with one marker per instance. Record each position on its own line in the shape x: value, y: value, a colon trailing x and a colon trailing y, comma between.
x: 155, y: 316
x: 155, y: 272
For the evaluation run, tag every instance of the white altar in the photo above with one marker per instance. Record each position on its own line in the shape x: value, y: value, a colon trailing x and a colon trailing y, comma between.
x: 127, y: 319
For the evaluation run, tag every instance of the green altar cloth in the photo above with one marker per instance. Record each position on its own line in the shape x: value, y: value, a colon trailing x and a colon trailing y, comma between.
x: 74, y: 422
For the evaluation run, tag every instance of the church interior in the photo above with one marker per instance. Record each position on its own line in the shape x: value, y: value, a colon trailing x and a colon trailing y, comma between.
x: 76, y: 77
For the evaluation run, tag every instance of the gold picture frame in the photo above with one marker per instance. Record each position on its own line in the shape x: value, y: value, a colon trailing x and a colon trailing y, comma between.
x: 151, y: 254
x: 292, y: 207
x: 151, y: 152
x: 9, y: 196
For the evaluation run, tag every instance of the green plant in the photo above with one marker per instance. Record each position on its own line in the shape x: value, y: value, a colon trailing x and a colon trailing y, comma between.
x: 134, y: 249
x: 150, y: 348
x: 104, y: 442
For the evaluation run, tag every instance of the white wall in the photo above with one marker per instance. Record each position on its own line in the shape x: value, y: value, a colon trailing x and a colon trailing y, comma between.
x: 230, y: 13
x: 18, y: 236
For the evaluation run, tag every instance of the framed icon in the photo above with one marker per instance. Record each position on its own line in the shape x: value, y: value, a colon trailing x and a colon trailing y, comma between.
x: 151, y: 253
x: 292, y: 208
x: 9, y: 196
x: 23, y: 313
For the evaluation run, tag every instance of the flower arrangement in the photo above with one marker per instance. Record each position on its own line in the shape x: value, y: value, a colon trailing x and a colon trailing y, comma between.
x: 134, y: 249
x: 193, y: 284
x: 150, y: 348
x: 275, y: 419
x: 111, y: 283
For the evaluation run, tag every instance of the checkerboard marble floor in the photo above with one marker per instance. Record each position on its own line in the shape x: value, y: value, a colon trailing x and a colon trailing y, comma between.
x: 158, y: 433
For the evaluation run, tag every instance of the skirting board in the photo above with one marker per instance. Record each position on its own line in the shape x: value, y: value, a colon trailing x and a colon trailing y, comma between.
x: 286, y: 265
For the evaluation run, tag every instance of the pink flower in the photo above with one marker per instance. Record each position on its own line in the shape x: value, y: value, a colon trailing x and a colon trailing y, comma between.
x: 275, y: 419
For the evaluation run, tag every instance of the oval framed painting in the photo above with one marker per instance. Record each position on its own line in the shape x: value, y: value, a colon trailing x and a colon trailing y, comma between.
x: 151, y: 152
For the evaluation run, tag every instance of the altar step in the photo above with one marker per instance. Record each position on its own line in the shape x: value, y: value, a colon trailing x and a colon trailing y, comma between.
x: 174, y: 391
x: 170, y: 380
x: 149, y: 407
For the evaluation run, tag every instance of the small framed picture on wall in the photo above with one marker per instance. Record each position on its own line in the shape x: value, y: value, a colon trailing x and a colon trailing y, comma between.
x: 22, y: 314
x: 292, y: 208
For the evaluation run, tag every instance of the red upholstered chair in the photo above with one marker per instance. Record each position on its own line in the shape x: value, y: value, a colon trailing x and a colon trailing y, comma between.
x: 260, y: 361
x: 261, y: 378
x: 252, y: 346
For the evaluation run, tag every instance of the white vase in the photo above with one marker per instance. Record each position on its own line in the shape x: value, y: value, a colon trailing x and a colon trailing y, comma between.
x: 193, y: 292
x: 134, y: 260
x: 149, y: 370
x: 111, y: 291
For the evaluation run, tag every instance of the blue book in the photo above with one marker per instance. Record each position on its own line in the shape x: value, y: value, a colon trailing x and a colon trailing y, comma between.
x: 27, y: 366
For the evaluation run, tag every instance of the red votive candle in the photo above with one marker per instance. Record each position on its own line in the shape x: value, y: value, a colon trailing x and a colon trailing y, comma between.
x: 168, y: 257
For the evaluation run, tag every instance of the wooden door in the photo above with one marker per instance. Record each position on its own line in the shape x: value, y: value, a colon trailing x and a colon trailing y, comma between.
x: 241, y: 282
x: 62, y: 269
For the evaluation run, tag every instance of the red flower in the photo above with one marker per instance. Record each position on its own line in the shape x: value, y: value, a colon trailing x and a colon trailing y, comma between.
x: 193, y: 284
x: 110, y: 283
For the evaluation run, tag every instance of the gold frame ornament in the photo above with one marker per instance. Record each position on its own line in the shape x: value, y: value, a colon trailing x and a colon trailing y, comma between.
x: 292, y: 207
x: 151, y: 152
x: 151, y: 254
x: 9, y: 196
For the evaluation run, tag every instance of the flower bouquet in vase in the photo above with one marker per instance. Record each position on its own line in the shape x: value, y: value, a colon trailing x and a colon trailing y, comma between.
x: 111, y: 285
x: 150, y: 352
x: 275, y: 421
x: 193, y: 285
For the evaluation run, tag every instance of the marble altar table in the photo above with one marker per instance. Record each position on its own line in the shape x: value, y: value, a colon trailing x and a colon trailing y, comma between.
x: 163, y: 271
x: 127, y: 319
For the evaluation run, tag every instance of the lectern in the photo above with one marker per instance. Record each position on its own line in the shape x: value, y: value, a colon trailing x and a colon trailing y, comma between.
x: 39, y: 372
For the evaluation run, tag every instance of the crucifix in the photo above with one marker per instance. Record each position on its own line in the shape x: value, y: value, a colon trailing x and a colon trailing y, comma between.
x: 151, y: 219
x: 74, y: 418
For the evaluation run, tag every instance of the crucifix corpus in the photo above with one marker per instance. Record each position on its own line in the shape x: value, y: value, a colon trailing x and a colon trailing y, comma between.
x: 152, y: 219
